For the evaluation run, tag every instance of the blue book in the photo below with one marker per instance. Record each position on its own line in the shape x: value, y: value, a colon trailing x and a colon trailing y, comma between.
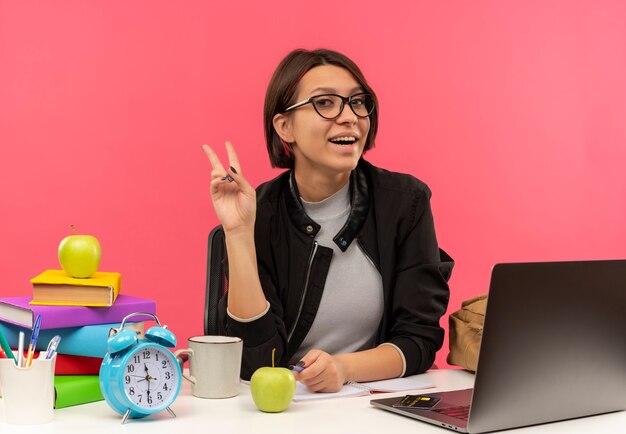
x: 89, y: 340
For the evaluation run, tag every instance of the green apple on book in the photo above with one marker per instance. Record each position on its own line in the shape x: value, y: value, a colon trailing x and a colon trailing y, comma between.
x: 79, y: 255
x: 272, y: 388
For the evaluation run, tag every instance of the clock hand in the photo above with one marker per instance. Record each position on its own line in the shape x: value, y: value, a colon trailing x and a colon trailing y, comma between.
x: 147, y: 377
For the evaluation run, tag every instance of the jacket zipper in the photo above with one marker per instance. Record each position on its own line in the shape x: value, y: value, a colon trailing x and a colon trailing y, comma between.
x: 358, y: 240
x: 306, y: 287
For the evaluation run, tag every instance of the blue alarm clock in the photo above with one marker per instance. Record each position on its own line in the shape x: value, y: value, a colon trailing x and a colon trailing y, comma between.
x: 140, y: 377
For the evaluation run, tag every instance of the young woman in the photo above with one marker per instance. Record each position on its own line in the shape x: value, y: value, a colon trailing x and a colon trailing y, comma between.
x: 335, y: 262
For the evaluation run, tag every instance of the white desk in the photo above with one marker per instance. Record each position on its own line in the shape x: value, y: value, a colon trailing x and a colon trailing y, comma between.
x: 239, y: 415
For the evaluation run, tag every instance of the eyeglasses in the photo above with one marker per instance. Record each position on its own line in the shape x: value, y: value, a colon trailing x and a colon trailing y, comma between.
x: 330, y: 105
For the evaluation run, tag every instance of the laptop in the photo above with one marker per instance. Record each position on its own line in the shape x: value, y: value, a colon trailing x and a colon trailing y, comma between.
x: 553, y: 348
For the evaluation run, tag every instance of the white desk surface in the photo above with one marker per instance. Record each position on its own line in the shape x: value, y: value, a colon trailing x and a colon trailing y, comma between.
x: 239, y: 415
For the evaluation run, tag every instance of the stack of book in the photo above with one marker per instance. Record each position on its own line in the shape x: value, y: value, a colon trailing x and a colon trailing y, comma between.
x: 82, y: 312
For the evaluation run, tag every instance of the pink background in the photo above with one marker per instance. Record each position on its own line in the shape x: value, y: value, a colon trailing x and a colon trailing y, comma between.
x: 514, y: 112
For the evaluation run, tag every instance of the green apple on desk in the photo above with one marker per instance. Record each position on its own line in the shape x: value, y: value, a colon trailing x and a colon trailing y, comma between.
x: 272, y: 388
x: 79, y: 255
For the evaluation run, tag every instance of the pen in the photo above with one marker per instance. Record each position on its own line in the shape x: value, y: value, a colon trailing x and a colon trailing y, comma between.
x: 5, y: 346
x: 20, y: 350
x: 52, y: 346
x: 33, y: 341
x: 298, y: 367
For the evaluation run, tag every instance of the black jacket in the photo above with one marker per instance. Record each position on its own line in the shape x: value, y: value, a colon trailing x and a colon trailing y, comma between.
x: 392, y: 221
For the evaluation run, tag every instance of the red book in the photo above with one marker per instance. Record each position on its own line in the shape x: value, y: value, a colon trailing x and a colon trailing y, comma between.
x: 77, y: 365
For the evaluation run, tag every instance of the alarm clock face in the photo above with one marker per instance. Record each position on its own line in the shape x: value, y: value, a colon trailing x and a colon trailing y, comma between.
x: 151, y: 377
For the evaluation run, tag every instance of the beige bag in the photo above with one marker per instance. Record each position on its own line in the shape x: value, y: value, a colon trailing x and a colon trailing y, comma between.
x: 466, y: 329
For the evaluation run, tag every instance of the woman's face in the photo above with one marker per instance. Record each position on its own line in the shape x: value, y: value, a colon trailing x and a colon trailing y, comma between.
x: 323, y: 146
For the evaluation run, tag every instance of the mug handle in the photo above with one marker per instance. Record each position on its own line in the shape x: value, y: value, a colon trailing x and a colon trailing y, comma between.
x: 182, y: 356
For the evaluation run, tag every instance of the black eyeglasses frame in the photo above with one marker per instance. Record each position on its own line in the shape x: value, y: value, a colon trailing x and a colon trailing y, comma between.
x: 344, y: 100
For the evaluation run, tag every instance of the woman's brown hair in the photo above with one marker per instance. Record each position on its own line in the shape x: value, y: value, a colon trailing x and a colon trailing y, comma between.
x: 282, y: 89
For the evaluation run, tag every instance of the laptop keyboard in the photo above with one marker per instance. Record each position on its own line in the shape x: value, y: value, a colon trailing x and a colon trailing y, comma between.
x: 461, y: 412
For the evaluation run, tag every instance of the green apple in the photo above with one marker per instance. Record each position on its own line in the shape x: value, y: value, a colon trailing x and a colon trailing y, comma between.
x: 79, y: 255
x: 272, y: 388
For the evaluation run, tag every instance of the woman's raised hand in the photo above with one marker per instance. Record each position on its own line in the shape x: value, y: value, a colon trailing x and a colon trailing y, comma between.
x: 234, y: 199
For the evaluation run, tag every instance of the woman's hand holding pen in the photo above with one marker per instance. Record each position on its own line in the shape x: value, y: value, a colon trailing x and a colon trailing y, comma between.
x: 234, y: 201
x: 233, y: 197
x: 322, y: 372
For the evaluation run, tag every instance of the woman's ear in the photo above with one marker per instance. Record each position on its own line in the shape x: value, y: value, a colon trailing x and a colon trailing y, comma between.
x: 282, y: 125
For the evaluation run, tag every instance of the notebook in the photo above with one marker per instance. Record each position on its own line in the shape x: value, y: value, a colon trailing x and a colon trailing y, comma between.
x: 360, y: 389
x: 567, y: 362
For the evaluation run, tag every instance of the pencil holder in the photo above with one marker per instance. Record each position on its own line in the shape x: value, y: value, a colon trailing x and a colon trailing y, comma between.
x: 28, y: 393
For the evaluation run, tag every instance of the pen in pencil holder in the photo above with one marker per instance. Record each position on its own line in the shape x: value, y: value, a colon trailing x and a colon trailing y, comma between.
x: 28, y: 393
x: 20, y: 350
x: 33, y: 341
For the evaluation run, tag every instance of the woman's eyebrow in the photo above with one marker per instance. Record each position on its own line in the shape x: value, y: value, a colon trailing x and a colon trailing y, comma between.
x: 333, y: 90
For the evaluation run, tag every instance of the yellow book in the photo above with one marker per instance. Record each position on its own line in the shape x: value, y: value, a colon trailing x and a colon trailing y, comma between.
x: 54, y: 287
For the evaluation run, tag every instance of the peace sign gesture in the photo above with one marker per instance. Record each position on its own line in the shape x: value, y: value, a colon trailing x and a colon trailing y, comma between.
x: 234, y: 200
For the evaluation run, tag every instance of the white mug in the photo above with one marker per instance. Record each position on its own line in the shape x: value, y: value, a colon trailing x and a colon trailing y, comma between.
x: 214, y: 365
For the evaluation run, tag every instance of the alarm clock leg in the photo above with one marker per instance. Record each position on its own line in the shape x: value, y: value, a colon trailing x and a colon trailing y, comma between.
x: 169, y: 410
x: 125, y: 416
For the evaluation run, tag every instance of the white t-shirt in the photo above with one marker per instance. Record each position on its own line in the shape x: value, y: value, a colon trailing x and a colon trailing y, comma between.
x: 351, y: 307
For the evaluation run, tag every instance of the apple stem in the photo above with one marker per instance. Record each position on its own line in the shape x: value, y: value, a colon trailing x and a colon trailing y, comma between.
x: 73, y: 228
x: 273, y: 352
